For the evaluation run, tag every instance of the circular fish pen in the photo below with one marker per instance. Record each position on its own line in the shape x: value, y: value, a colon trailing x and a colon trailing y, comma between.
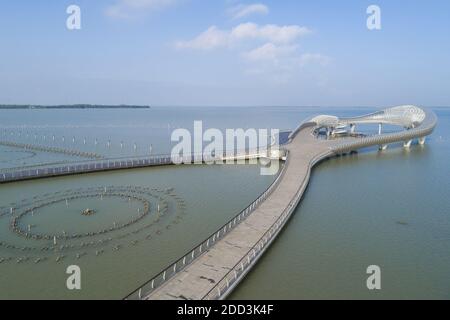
x: 58, y: 225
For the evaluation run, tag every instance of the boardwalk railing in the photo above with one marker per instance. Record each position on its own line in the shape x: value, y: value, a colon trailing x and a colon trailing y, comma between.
x: 62, y: 164
x: 179, y: 265
x: 117, y: 164
x: 425, y: 129
x: 237, y: 273
x: 82, y: 167
x: 225, y: 285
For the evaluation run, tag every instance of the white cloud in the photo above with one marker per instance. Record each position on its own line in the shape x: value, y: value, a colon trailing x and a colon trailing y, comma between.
x: 281, y: 62
x: 313, y: 58
x: 129, y: 8
x: 270, y: 32
x: 209, y: 39
x: 216, y: 38
x: 269, y: 52
x: 269, y: 49
x: 242, y: 11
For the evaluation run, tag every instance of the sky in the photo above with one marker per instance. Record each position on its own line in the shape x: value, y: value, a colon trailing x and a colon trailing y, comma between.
x: 225, y: 53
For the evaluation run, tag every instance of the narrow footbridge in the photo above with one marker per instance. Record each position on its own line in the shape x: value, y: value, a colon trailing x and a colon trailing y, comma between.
x: 215, y: 267
x: 92, y: 166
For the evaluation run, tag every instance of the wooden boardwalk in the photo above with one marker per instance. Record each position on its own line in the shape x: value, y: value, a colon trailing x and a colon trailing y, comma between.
x: 217, y: 271
x: 84, y: 167
x: 198, y: 278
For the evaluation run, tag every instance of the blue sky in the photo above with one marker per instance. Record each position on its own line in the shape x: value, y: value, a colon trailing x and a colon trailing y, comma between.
x: 225, y: 53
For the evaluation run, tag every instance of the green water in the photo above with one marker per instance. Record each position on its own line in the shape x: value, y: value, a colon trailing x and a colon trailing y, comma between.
x: 389, y: 209
x: 224, y: 191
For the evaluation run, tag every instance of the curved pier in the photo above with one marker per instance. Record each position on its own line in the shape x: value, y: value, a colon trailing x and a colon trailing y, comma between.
x: 212, y: 271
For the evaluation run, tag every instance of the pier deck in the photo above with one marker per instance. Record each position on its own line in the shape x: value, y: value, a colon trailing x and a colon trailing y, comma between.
x: 198, y: 279
x: 218, y: 270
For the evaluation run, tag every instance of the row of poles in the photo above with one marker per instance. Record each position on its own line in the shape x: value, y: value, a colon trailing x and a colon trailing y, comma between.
x: 62, y: 140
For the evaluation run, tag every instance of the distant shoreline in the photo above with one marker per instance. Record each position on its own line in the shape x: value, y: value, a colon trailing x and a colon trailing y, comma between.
x: 73, y: 106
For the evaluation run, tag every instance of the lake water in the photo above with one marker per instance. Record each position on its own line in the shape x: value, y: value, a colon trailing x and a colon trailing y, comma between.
x: 389, y: 209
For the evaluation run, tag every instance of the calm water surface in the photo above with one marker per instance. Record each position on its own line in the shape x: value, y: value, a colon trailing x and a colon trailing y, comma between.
x: 390, y: 209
